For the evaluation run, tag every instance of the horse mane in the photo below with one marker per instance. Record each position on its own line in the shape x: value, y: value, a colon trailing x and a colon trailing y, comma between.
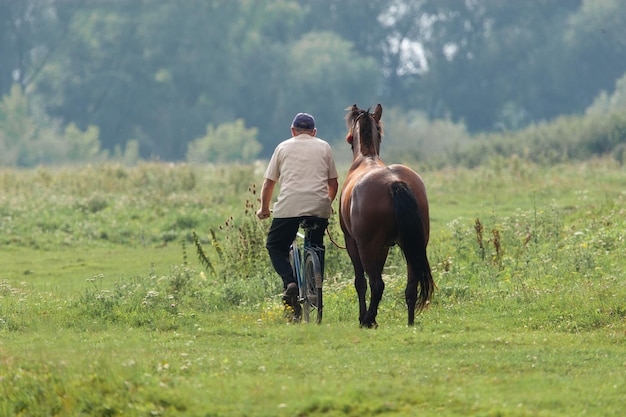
x: 367, y: 134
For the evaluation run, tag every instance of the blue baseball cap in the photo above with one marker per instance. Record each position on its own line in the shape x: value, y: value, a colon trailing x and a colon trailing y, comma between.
x: 303, y: 121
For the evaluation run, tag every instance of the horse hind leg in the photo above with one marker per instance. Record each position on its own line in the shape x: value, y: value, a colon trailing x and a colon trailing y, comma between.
x: 374, y: 265
x: 360, y: 283
x: 410, y: 294
x: 377, y: 287
x: 374, y: 262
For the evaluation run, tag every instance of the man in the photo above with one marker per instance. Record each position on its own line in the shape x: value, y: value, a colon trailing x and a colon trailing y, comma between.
x: 305, y: 167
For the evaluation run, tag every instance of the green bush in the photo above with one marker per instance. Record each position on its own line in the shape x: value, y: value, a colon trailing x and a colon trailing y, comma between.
x: 26, y: 141
x: 230, y: 142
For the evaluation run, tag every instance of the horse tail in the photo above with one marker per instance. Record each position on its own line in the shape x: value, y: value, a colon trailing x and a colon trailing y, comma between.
x: 412, y: 239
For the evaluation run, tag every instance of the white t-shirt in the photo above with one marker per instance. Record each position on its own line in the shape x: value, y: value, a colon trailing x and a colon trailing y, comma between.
x: 302, y: 165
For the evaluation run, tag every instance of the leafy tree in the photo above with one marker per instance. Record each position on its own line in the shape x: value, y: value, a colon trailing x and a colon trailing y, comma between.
x: 93, y: 80
x: 25, y: 142
x: 411, y: 136
x: 17, y: 128
x: 606, y: 103
x: 229, y: 142
x: 82, y: 146
x: 15, y: 120
x: 325, y: 75
x: 594, y: 50
x: 28, y: 37
x: 182, y: 64
x: 356, y: 21
x: 157, y: 72
x: 600, y: 131
x: 472, y: 57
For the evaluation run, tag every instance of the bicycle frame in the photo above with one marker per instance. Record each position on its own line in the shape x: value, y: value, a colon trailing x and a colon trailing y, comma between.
x: 296, y: 260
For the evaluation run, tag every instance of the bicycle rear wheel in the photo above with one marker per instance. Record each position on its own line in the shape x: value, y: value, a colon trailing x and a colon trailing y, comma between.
x: 312, y: 287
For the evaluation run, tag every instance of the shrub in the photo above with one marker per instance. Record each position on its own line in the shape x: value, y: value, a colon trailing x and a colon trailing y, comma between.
x: 230, y: 142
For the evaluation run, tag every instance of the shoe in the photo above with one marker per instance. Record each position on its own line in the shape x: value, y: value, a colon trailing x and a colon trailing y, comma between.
x: 290, y: 299
x: 290, y: 295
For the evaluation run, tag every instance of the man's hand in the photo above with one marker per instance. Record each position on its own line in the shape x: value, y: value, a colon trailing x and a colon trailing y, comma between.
x: 263, y: 214
x: 266, y: 195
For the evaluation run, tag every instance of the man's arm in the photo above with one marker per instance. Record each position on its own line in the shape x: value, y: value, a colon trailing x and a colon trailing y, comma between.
x: 333, y: 186
x: 266, y: 197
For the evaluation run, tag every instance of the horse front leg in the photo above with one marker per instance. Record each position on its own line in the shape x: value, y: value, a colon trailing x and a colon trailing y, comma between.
x: 360, y: 284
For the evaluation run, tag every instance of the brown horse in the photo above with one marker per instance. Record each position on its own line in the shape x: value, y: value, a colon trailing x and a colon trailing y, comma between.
x: 381, y: 206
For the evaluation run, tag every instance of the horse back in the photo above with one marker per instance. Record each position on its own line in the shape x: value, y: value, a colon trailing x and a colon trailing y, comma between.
x: 367, y: 207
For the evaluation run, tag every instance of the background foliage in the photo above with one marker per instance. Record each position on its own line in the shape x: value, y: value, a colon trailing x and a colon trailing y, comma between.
x: 151, y: 75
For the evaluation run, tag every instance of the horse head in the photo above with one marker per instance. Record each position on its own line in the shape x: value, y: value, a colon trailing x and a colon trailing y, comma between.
x: 365, y: 130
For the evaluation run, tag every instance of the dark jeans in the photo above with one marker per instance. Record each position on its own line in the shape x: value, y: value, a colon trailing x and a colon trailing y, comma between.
x: 281, y: 235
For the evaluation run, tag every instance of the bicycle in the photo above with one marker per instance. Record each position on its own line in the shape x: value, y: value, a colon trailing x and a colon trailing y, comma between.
x: 307, y: 266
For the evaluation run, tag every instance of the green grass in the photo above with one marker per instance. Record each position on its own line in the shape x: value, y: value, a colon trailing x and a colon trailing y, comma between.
x: 69, y: 269
x: 105, y: 309
x: 226, y: 366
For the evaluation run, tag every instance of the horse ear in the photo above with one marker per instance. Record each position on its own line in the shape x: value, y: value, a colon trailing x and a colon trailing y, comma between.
x: 378, y: 112
x: 354, y: 107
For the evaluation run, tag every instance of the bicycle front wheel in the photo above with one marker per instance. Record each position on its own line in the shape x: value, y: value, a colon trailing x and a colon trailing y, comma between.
x: 313, y: 287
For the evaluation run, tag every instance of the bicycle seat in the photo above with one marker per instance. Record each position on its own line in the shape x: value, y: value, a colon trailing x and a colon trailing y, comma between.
x: 309, y: 224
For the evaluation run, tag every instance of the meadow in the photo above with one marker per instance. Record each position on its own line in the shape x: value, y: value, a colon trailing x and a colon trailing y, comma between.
x: 147, y: 291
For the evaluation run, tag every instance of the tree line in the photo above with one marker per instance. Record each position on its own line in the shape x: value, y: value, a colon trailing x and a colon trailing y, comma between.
x: 220, y: 80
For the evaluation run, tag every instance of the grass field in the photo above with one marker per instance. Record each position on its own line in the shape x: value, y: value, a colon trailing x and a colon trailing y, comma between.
x: 105, y: 309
